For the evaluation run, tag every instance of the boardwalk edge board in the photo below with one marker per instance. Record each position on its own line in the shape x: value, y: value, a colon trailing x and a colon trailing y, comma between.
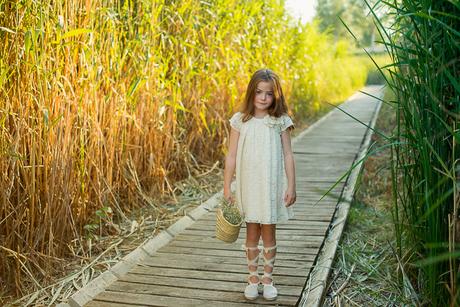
x: 314, y: 290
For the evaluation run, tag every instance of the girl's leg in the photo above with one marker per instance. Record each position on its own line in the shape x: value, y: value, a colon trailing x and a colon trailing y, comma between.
x: 252, y: 255
x: 269, y: 239
x: 252, y: 241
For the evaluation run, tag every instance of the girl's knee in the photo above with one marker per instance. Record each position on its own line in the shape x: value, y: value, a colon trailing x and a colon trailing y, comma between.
x: 252, y: 240
x: 269, y: 235
x: 252, y: 233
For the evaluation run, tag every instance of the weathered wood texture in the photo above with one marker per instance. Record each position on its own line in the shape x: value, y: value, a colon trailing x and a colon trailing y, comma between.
x: 197, y: 269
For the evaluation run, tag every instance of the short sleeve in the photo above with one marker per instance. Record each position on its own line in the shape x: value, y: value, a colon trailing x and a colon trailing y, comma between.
x: 235, y: 121
x: 287, y: 122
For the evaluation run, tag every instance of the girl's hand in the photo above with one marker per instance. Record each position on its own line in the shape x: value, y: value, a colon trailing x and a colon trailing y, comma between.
x: 289, y: 197
x: 229, y: 197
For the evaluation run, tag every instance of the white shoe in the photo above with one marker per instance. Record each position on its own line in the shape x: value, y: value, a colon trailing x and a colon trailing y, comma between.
x: 270, y: 292
x: 251, y: 292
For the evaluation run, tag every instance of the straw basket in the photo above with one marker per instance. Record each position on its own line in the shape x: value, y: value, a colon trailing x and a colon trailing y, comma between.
x: 226, y: 231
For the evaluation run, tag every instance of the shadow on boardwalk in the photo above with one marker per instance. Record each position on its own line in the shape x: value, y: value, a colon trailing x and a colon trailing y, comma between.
x: 186, y: 265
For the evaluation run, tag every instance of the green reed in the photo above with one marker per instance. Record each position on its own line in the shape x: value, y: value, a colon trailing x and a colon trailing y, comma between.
x: 423, y: 42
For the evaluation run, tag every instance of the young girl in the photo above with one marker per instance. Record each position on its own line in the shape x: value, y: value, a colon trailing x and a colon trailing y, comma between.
x: 260, y: 152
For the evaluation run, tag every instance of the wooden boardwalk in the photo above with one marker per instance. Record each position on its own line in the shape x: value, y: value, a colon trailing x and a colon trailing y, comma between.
x: 194, y: 268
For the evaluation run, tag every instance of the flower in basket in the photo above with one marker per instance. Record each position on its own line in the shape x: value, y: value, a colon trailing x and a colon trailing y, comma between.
x: 228, y: 222
x: 230, y: 212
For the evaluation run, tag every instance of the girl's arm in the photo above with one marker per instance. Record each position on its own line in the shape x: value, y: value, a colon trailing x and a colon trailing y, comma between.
x: 230, y: 163
x: 290, y: 195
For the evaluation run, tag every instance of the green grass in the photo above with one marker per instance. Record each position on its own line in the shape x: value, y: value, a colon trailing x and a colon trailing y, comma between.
x: 423, y: 45
x: 363, y: 272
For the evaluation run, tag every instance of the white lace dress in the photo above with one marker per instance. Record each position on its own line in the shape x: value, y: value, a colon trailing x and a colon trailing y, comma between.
x: 260, y: 174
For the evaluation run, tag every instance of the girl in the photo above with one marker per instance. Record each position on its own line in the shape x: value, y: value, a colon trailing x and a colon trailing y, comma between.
x: 260, y: 152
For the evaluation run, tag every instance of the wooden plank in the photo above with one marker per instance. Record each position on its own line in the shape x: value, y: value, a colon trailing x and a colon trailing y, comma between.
x: 325, y: 194
x: 295, y: 224
x: 290, y: 222
x: 320, y: 209
x: 201, y: 294
x: 306, y: 216
x: 109, y: 304
x: 229, y: 253
x: 228, y: 260
x: 210, y: 275
x: 325, y: 212
x: 279, y: 232
x: 316, y: 203
x: 204, y: 235
x: 334, y: 138
x: 280, y: 244
x: 298, y: 230
x: 302, y: 204
x: 318, y: 198
x: 224, y: 246
x: 218, y: 267
x: 317, y: 178
x: 303, y: 152
x: 322, y: 171
x: 314, y: 229
x: 136, y: 299
x: 227, y: 285
x: 306, y: 210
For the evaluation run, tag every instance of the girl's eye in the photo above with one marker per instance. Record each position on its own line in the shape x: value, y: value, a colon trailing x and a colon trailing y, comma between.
x: 260, y: 92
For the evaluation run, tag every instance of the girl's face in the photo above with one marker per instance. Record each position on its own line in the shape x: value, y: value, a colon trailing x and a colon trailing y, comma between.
x: 264, y: 97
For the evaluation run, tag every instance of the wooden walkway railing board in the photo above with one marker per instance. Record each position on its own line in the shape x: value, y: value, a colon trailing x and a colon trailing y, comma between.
x: 195, y: 269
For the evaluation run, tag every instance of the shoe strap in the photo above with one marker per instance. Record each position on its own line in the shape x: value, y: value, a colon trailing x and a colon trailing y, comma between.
x: 253, y: 273
x: 269, y: 261
x: 250, y: 248
x: 268, y: 275
x: 255, y: 260
x: 249, y: 278
x: 269, y: 248
x: 252, y: 262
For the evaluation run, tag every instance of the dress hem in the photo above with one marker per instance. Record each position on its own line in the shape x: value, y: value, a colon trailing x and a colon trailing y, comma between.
x: 269, y: 222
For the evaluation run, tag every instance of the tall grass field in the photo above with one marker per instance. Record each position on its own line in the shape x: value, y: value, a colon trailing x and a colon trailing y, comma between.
x: 105, y: 104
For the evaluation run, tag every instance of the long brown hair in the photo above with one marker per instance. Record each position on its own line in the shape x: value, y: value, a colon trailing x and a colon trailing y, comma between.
x: 278, y: 106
